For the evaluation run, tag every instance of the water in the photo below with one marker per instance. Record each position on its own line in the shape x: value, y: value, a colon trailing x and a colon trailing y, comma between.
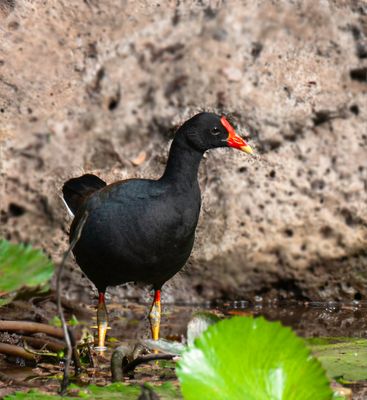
x: 308, y: 319
x: 129, y: 323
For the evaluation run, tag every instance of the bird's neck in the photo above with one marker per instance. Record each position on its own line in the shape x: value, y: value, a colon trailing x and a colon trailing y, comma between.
x: 183, y: 164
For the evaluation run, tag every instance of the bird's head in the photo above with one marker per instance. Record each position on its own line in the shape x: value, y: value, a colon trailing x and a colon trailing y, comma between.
x: 206, y: 131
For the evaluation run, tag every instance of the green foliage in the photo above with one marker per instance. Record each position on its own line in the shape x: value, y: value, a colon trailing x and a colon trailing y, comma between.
x: 73, y: 321
x: 21, y: 266
x: 342, y: 357
x: 251, y: 358
x: 112, y: 391
x: 116, y: 391
x: 56, y: 321
x: 31, y: 395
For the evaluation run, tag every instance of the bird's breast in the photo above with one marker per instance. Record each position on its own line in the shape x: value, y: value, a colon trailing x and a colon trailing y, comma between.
x: 143, y: 230
x: 137, y: 238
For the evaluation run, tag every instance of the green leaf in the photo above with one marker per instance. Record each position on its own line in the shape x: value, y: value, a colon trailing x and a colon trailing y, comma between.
x: 251, y: 358
x: 55, y: 321
x: 342, y: 357
x: 21, y: 266
x: 73, y: 321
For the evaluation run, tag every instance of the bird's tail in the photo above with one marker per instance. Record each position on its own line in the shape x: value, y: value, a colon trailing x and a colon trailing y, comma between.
x: 76, y: 190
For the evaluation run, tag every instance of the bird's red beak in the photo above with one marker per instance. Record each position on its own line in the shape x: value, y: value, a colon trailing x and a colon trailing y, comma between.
x: 233, y: 139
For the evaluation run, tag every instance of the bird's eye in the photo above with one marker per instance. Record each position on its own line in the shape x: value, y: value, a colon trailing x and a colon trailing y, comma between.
x: 215, y: 131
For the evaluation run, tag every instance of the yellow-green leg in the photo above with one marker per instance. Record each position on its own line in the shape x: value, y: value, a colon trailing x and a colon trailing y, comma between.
x: 155, y: 315
x: 102, y: 323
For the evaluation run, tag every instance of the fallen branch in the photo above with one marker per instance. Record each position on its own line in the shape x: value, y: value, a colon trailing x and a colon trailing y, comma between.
x: 68, y: 340
x: 145, y: 359
x: 125, y: 359
x: 31, y: 327
x: 16, y: 351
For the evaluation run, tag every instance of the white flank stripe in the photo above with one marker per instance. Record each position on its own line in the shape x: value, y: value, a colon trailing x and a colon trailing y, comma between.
x: 71, y: 214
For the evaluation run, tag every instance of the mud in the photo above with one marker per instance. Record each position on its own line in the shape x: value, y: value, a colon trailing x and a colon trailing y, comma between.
x: 129, y: 325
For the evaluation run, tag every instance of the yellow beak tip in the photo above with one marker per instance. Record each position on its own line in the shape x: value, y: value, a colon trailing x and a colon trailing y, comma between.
x: 247, y: 149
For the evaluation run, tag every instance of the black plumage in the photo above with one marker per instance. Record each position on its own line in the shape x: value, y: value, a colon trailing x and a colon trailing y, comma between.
x: 76, y: 190
x: 141, y: 229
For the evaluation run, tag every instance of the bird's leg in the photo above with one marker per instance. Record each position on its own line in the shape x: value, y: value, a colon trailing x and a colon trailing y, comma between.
x: 102, y: 323
x: 155, y: 315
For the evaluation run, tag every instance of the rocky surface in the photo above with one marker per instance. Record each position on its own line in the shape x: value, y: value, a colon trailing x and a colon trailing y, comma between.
x: 100, y: 87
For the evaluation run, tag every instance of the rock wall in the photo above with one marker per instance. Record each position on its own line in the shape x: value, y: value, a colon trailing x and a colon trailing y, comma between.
x: 100, y: 87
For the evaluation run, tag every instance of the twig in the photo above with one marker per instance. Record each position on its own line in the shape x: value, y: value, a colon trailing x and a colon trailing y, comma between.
x: 145, y: 359
x: 42, y: 343
x: 40, y: 352
x: 90, y: 356
x: 76, y: 358
x: 16, y: 351
x: 77, y: 233
x: 31, y: 327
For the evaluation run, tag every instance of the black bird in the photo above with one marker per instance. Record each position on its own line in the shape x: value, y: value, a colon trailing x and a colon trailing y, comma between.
x: 143, y: 229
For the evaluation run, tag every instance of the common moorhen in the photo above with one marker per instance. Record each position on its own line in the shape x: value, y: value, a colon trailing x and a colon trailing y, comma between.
x: 143, y: 229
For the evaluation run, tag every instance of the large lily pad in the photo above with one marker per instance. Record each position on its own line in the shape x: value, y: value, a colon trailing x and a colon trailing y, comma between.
x: 251, y: 358
x: 21, y: 266
x: 344, y: 358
